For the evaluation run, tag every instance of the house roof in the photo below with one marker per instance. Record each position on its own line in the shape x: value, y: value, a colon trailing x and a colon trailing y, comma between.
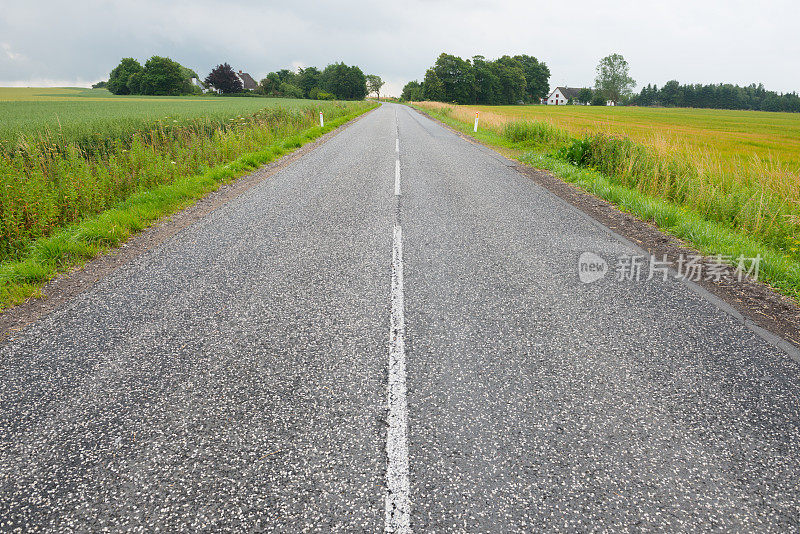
x: 247, y: 81
x: 568, y: 92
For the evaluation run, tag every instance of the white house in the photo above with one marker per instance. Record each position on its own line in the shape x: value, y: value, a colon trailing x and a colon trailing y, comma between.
x: 198, y: 83
x: 248, y: 82
x: 562, y: 95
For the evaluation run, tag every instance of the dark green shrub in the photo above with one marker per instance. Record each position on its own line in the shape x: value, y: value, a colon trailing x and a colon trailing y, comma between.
x: 578, y: 152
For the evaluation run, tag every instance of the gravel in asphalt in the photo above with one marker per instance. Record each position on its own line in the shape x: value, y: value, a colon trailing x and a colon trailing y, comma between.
x: 235, y: 377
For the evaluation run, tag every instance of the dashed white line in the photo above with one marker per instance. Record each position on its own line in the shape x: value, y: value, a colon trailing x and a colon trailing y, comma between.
x: 398, y: 503
x: 397, y: 145
x: 397, y: 177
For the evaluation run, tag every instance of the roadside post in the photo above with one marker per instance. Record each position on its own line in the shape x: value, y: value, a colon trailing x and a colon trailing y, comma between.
x: 476, y: 123
x: 321, y: 120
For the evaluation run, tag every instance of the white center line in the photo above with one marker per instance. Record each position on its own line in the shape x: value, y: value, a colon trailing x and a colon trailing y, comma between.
x: 397, y: 177
x: 398, y: 504
x: 397, y: 145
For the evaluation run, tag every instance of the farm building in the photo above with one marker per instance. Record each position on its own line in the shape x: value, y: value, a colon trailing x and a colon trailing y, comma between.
x: 247, y: 81
x: 562, y: 95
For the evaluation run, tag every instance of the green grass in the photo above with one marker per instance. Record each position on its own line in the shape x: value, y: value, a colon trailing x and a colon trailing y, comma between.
x: 62, y: 202
x: 621, y: 172
x: 93, y: 119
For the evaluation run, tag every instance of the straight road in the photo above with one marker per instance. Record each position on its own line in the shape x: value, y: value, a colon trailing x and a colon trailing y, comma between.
x: 390, y: 334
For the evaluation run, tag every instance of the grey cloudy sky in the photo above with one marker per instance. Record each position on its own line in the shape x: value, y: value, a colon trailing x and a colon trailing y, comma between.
x: 44, y: 42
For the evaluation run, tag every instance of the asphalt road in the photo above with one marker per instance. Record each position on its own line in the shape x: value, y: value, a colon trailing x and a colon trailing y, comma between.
x: 238, y: 377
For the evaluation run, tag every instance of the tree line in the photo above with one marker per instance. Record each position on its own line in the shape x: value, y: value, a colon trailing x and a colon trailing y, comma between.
x: 163, y: 76
x: 506, y: 80
x: 716, y: 96
x: 158, y: 76
x: 336, y: 81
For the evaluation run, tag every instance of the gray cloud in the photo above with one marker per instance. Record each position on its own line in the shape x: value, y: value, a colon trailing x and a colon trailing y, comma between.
x: 69, y: 43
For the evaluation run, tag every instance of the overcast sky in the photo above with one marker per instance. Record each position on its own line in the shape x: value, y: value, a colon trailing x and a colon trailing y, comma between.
x: 63, y: 43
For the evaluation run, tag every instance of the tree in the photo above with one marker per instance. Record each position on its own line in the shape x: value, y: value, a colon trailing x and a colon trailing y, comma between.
x: 412, y: 91
x: 672, y: 94
x: 537, y: 77
x: 135, y: 82
x: 432, y: 87
x: 507, y: 80
x: 308, y: 79
x: 346, y: 83
x: 612, y: 79
x: 287, y: 76
x: 118, y: 79
x: 290, y: 91
x: 585, y: 95
x: 511, y: 80
x: 224, y: 79
x: 270, y: 85
x: 487, y: 84
x: 374, y: 84
x: 457, y: 78
x: 162, y: 76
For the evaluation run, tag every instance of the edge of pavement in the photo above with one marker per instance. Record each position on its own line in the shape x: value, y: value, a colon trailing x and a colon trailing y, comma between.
x: 770, y: 315
x: 64, y: 286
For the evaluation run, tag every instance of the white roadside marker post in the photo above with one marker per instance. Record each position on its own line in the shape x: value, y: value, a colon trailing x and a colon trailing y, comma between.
x: 476, y: 123
x: 321, y: 120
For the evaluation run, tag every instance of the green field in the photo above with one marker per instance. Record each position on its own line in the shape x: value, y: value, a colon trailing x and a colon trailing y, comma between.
x: 80, y: 170
x: 94, y: 116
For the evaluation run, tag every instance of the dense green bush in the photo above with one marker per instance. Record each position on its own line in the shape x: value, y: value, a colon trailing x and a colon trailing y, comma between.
x: 577, y: 152
x: 290, y: 91
x: 527, y: 132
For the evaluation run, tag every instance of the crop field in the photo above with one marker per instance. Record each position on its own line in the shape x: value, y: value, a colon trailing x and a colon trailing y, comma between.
x: 94, y: 116
x: 733, y: 136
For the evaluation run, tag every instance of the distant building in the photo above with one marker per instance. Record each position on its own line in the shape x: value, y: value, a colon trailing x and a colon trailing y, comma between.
x: 198, y: 83
x: 247, y: 81
x: 610, y: 103
x: 561, y: 96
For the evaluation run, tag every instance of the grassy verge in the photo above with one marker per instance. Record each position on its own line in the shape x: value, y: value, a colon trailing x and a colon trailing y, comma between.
x: 615, y: 175
x: 22, y: 276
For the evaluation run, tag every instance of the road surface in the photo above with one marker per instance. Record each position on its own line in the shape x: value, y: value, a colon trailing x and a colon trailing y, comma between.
x: 388, y: 335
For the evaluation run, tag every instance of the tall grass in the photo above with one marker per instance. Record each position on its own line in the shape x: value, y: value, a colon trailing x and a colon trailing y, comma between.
x: 48, y: 182
x: 756, y: 199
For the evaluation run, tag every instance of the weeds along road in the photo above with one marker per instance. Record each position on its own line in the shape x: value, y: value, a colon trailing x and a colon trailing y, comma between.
x: 358, y: 344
